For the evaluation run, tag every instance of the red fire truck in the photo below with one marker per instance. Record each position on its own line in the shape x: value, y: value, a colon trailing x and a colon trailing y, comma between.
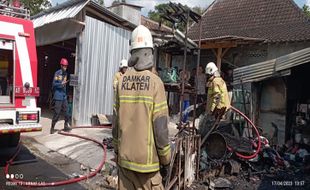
x: 18, y: 75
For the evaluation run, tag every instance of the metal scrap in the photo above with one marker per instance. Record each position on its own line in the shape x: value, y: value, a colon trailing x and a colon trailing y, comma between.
x: 184, y: 166
x: 222, y: 183
x: 232, y: 167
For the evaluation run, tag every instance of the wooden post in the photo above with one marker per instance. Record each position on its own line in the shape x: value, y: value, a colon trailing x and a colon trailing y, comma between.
x: 219, y: 58
x: 184, y: 70
x: 168, y: 63
x: 196, y: 74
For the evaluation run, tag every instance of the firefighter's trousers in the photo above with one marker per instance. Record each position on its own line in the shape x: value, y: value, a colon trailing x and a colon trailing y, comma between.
x: 131, y: 180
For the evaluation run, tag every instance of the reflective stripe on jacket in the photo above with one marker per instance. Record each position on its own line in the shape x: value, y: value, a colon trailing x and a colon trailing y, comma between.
x: 217, y: 95
x: 140, y: 128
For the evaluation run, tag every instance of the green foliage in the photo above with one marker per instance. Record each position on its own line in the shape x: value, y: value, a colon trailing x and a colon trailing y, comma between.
x: 306, y: 10
x: 36, y: 6
x: 155, y: 15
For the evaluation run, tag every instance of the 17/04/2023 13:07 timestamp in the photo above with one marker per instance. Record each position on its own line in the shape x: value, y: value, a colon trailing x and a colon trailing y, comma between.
x: 288, y: 183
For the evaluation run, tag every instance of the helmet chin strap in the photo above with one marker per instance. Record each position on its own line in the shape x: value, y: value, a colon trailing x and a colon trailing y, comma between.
x: 141, y: 59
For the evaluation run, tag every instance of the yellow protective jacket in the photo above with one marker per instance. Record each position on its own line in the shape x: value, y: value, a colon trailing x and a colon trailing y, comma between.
x: 217, y: 95
x: 140, y: 127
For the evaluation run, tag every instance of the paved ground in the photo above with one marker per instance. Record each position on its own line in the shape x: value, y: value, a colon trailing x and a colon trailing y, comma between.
x: 85, y: 152
x: 61, y: 157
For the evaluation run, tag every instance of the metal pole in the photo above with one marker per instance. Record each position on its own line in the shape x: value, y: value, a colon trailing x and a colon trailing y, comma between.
x: 184, y: 62
x: 196, y: 78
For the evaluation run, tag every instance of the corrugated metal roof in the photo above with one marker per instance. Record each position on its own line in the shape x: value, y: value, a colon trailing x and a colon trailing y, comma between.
x: 255, y: 72
x: 271, y: 68
x: 293, y: 59
x: 63, y: 11
x: 71, y: 9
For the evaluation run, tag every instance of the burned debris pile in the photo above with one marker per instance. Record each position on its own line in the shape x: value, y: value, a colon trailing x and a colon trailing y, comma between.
x: 284, y: 166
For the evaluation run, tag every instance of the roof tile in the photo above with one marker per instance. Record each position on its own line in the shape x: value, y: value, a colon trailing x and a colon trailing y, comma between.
x: 275, y: 21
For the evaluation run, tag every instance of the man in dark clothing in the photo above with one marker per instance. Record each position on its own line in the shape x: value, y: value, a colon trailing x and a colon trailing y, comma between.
x: 60, y: 95
x: 192, y: 78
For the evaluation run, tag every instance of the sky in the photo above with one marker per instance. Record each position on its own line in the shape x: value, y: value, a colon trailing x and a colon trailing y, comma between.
x: 150, y: 4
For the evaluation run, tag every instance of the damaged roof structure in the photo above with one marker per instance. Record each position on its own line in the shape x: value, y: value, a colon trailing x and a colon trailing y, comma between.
x: 165, y: 36
x: 154, y: 26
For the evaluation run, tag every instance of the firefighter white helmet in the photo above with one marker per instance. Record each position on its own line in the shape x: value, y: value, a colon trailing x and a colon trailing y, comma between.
x: 211, y: 68
x: 123, y: 63
x: 141, y: 38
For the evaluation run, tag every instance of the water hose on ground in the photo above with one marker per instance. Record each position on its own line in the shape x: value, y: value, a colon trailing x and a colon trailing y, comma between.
x: 68, y: 181
x: 256, y: 132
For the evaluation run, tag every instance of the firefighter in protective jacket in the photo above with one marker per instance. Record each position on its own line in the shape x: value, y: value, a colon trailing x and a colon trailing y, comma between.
x: 122, y: 69
x: 218, y: 97
x: 140, y: 128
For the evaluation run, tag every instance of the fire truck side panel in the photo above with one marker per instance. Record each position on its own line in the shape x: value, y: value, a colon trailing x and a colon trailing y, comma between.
x: 25, y: 53
x: 25, y: 56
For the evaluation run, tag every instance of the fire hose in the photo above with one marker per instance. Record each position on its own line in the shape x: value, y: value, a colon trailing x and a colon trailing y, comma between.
x: 218, y: 118
x: 256, y: 132
x: 63, y: 182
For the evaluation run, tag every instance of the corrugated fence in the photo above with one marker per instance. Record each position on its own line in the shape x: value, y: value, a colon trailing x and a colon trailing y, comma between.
x: 102, y: 47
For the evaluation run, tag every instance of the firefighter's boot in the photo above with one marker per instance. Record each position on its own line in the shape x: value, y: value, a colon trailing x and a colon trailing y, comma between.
x: 67, y: 128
